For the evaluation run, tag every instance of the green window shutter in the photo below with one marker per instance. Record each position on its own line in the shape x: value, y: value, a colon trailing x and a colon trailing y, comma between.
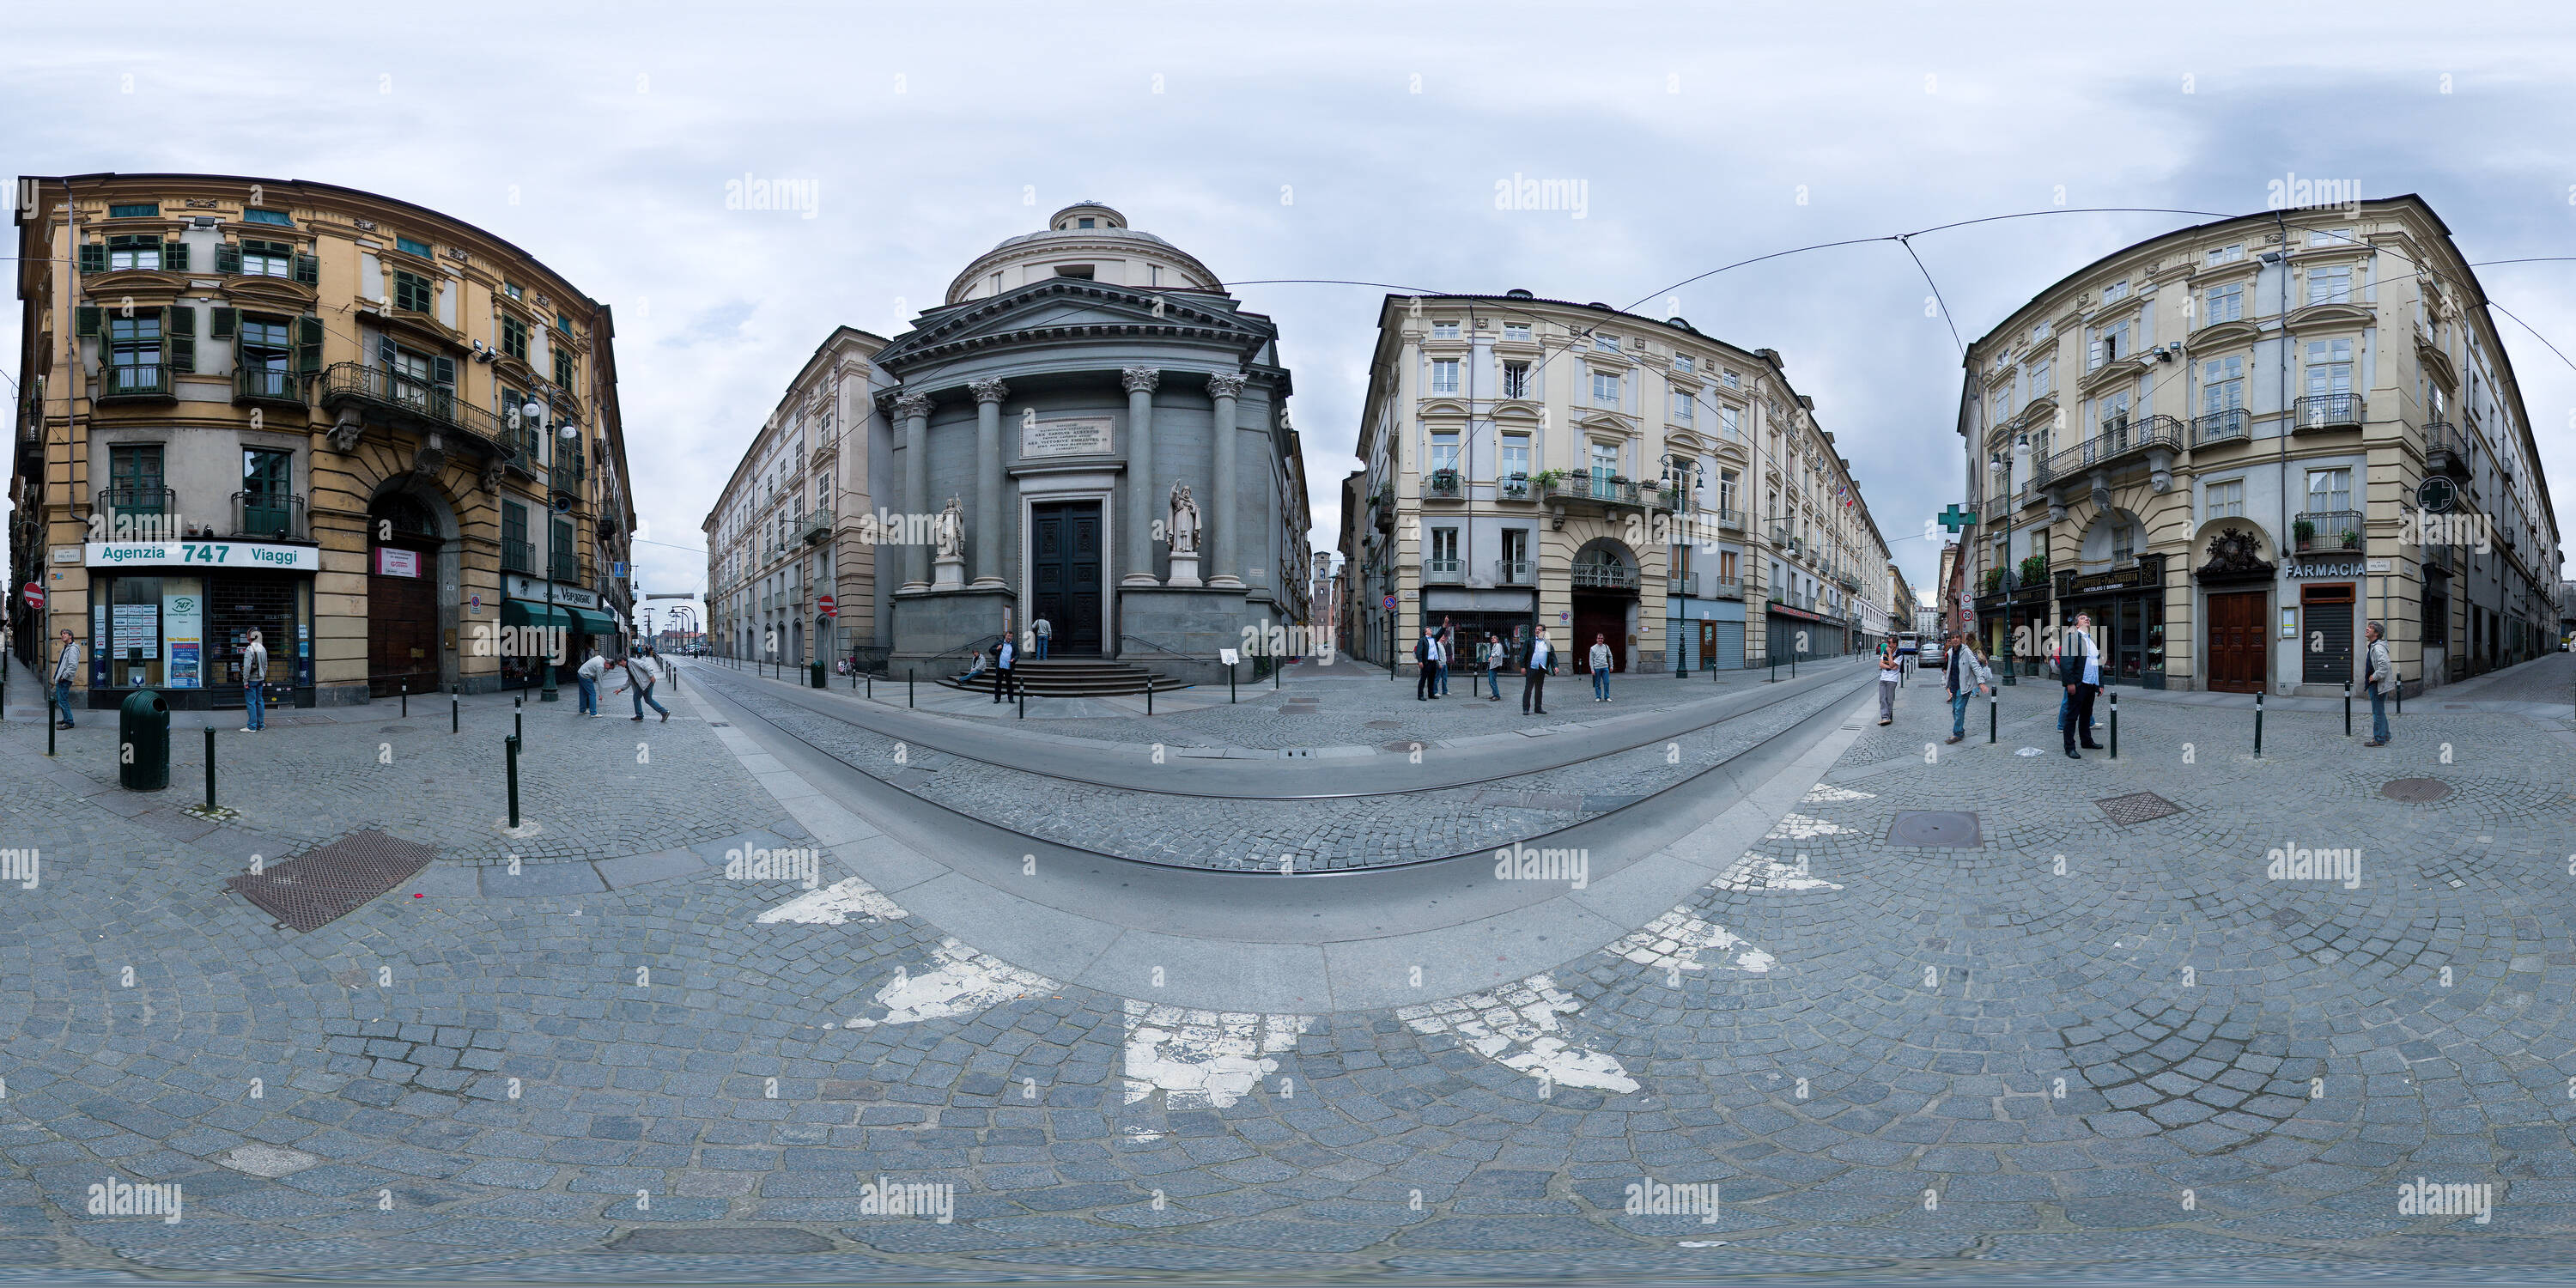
x: 227, y: 258
x: 85, y: 320
x: 308, y: 344
x: 182, y: 330
x: 93, y: 259
x: 308, y: 270
x: 219, y: 325
x: 442, y: 371
x: 385, y: 351
x: 174, y: 256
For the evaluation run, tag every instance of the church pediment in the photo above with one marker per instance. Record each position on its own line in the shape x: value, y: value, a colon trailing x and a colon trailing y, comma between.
x: 1073, y: 309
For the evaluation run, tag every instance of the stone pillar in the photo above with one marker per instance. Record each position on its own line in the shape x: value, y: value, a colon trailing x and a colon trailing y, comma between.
x: 986, y: 529
x: 1217, y: 516
x: 915, y: 411
x: 1143, y: 507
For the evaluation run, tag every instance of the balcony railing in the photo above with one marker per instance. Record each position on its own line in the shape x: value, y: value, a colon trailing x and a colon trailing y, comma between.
x: 818, y: 526
x: 2227, y: 426
x: 1732, y: 520
x: 1681, y: 583
x: 1588, y: 576
x: 565, y: 568
x: 1443, y: 485
x: 138, y: 513
x: 565, y: 477
x: 278, y: 516
x: 2447, y: 450
x: 132, y: 380
x: 1608, y: 489
x: 2323, y: 413
x: 1724, y: 587
x: 518, y: 556
x: 411, y: 404
x: 1515, y: 572
x: 1848, y: 581
x: 1515, y: 488
x: 1444, y: 572
x: 267, y: 385
x: 1663, y: 497
x: 2326, y: 530
x: 2120, y: 437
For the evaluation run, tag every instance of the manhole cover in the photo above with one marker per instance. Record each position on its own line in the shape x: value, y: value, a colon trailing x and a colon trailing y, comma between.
x: 316, y: 889
x: 1936, y: 827
x: 1404, y: 746
x: 2137, y: 807
x: 1384, y: 724
x: 2415, y: 791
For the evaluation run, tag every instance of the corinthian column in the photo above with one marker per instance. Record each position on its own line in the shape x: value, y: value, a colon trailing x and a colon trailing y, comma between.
x: 1142, y: 506
x: 1220, y: 498
x: 988, y: 526
x: 915, y: 411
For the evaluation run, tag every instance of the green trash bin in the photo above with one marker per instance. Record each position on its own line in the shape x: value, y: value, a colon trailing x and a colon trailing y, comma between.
x: 143, y: 742
x: 819, y: 681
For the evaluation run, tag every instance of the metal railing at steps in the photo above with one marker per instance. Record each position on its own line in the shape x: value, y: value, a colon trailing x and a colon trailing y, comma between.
x: 1124, y: 640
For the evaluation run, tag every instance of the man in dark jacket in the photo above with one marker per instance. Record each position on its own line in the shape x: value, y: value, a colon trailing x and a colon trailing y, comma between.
x: 1426, y: 658
x: 2079, y: 668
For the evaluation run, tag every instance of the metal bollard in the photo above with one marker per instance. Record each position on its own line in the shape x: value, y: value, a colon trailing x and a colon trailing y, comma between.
x: 511, y: 746
x: 2115, y: 726
x: 2258, y: 724
x: 406, y: 699
x: 1149, y: 695
x: 1024, y: 704
x: 910, y: 687
x: 1990, y: 719
x: 2347, y: 708
x: 1229, y: 684
x: 210, y: 769
x: 1276, y: 666
x: 456, y: 710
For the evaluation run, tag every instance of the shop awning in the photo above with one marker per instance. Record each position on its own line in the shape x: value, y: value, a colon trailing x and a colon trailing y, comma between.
x: 586, y: 622
x: 521, y: 613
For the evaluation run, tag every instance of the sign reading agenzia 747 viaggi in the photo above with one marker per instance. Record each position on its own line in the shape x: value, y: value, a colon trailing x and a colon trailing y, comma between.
x: 203, y: 554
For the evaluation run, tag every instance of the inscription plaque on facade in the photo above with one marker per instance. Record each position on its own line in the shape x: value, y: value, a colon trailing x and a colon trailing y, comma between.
x: 1065, y: 436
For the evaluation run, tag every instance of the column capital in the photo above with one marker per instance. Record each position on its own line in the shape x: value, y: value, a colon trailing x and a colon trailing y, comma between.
x: 912, y: 405
x: 1140, y: 380
x: 1226, y: 385
x: 989, y: 390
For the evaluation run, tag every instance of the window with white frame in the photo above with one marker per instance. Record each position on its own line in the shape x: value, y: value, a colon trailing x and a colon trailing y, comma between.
x: 2118, y: 290
x: 2329, y: 491
x: 2227, y: 254
x: 1684, y: 363
x: 1730, y: 418
x: 2227, y: 500
x: 2110, y: 343
x: 1516, y: 455
x: 2040, y: 374
x: 1444, y: 330
x: 1444, y: 451
x: 1444, y: 376
x: 2330, y: 285
x: 1605, y: 343
x: 1605, y: 388
x: 1516, y: 380
x: 2223, y: 304
x: 1732, y: 380
x: 2124, y: 543
x: 2329, y: 367
x: 1444, y: 543
x: 1682, y: 410
x: 2003, y: 403
x: 2330, y: 237
x: 1728, y: 485
x: 1516, y: 332
x: 2222, y: 385
x: 1605, y: 460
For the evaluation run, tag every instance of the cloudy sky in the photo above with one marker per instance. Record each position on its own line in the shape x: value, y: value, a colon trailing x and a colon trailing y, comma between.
x: 1356, y: 142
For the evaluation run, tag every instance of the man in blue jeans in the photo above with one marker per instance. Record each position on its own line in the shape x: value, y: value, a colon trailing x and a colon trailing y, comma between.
x: 65, y: 667
x: 255, y: 684
x: 2378, y: 676
x: 1962, y: 675
x: 640, y: 679
x: 589, y: 675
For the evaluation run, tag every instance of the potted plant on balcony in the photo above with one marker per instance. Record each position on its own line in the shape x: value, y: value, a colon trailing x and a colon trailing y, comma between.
x: 2034, y: 569
x: 1548, y: 478
x: 2303, y: 531
x: 1994, y: 580
x: 2351, y: 539
x: 1444, y: 480
x: 1517, y: 484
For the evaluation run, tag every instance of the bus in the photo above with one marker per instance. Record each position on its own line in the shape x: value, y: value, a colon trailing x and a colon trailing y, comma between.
x: 1908, y: 644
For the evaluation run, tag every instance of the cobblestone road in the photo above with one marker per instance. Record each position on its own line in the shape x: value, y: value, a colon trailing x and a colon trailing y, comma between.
x: 1889, y: 1059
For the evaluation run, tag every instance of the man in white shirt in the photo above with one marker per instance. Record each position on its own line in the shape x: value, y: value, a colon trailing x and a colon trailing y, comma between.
x: 1542, y: 660
x: 589, y: 676
x: 2080, y: 670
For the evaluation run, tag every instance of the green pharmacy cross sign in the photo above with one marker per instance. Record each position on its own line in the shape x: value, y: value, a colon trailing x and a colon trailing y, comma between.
x: 1955, y: 519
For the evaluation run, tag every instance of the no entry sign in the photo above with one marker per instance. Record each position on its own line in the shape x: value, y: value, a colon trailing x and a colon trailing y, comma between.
x: 35, y: 595
x: 823, y: 605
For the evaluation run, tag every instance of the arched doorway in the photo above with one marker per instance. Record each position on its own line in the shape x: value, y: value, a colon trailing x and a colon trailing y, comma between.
x: 1604, y: 586
x: 405, y: 539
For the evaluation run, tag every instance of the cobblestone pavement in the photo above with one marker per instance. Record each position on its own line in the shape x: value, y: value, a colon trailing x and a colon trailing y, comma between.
x: 1890, y: 1060
x: 2548, y: 678
x: 1329, y: 834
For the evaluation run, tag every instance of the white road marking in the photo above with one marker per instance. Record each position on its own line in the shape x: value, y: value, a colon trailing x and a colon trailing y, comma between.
x: 1515, y: 1026
x: 833, y: 905
x: 1673, y: 942
x: 1203, y: 1057
x: 964, y: 982
x: 1761, y: 872
x: 1828, y: 794
x: 1798, y: 827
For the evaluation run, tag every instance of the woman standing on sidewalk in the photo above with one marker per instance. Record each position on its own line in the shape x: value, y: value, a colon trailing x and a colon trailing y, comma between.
x: 1890, y: 671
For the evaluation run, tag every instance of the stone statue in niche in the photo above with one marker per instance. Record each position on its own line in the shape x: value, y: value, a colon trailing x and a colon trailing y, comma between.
x: 950, y: 531
x: 1184, y: 529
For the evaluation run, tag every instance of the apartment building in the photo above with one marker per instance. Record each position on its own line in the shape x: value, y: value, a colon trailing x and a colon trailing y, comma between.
x: 1537, y: 462
x: 2235, y: 444
x: 384, y: 438
x: 792, y: 526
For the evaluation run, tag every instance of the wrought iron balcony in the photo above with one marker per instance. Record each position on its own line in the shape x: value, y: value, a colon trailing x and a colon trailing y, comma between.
x: 1514, y: 488
x: 1718, y: 587
x: 2321, y: 530
x: 2121, y: 437
x: 2227, y: 426
x: 818, y: 526
x: 565, y: 476
x: 2326, y: 413
x: 1443, y: 485
x: 2449, y: 450
x: 518, y: 556
x: 137, y: 381
x: 1681, y: 583
x: 1732, y: 520
x: 1600, y: 489
x: 1588, y: 576
x: 267, y: 385
x: 1444, y: 572
x: 1848, y: 581
x: 276, y: 515
x: 565, y: 567
x: 138, y: 513
x: 412, y: 405
x: 1515, y: 572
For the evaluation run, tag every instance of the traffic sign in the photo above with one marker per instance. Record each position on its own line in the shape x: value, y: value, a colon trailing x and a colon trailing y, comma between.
x: 823, y: 606
x: 35, y: 595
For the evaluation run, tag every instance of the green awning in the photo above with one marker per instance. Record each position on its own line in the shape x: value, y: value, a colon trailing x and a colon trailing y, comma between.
x: 586, y: 622
x: 521, y: 613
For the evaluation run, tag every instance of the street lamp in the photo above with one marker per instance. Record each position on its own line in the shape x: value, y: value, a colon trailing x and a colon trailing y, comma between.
x: 1685, y: 474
